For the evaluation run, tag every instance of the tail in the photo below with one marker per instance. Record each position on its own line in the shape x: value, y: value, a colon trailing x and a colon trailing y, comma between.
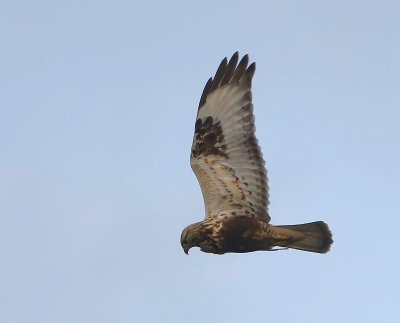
x: 314, y: 236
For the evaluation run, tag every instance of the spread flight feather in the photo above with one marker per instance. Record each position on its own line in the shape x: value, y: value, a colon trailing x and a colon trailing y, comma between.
x: 226, y: 157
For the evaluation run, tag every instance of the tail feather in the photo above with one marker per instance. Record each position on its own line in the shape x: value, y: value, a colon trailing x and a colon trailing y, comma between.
x: 314, y: 236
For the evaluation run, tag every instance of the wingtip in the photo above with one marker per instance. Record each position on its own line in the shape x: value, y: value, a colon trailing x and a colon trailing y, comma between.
x: 229, y: 72
x: 251, y: 69
x: 235, y: 55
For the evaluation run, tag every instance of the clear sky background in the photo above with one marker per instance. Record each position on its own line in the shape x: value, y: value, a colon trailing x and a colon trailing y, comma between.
x: 97, y: 109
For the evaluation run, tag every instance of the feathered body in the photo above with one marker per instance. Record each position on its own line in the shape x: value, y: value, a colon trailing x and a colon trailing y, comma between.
x: 229, y: 166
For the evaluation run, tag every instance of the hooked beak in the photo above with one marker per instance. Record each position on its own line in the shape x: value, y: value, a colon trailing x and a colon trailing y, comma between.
x: 186, y: 250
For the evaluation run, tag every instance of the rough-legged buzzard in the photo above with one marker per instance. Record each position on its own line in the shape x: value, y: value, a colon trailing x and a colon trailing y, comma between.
x: 229, y: 166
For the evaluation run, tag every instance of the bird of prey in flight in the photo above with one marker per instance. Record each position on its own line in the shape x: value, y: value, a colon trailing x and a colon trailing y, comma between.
x: 229, y: 166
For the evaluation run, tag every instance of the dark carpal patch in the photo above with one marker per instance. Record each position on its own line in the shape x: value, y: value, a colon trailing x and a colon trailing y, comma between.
x: 208, y: 138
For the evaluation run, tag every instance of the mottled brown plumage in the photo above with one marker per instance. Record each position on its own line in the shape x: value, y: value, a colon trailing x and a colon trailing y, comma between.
x: 228, y: 163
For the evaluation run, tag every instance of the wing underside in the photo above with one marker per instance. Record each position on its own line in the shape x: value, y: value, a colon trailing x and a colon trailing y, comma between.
x: 226, y: 157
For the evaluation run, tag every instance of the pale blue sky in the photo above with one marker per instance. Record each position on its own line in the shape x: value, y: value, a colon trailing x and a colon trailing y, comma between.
x: 97, y: 108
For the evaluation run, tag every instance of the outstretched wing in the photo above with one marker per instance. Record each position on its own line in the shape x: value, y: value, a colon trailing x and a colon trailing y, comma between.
x: 225, y: 154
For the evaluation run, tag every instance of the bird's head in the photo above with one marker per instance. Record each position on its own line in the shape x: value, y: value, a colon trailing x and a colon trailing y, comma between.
x: 191, y: 237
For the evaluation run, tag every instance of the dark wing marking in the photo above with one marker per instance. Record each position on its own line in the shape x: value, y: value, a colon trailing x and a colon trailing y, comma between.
x: 225, y: 154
